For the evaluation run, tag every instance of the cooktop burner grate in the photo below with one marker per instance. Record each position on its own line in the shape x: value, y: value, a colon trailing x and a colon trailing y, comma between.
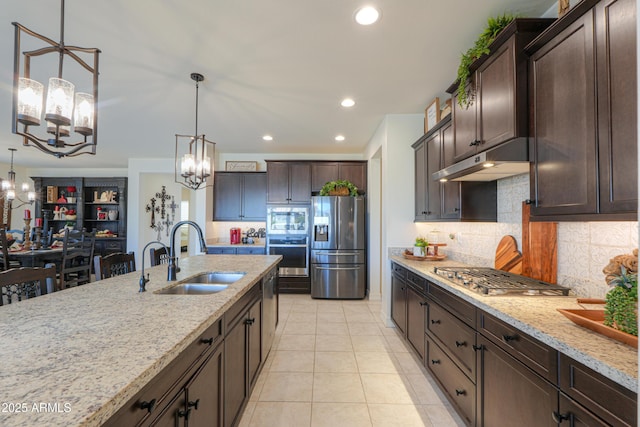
x: 489, y: 281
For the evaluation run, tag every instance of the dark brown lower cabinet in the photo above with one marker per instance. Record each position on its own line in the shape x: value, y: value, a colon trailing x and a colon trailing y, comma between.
x: 510, y: 394
x: 572, y: 414
x: 243, y: 356
x: 399, y: 302
x: 416, y: 316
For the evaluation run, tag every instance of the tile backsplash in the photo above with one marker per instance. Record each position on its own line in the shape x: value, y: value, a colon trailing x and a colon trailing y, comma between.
x: 218, y: 232
x: 584, y: 248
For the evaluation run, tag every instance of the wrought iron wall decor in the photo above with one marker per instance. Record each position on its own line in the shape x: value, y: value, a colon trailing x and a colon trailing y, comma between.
x: 166, y: 219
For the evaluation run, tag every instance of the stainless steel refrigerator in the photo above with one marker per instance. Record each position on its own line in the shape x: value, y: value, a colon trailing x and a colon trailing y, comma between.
x: 338, y: 247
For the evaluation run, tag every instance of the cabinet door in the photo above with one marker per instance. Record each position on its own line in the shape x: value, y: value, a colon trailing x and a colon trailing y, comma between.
x: 572, y: 414
x: 496, y: 97
x: 617, y: 105
x: 416, y: 312
x: 277, y: 182
x: 254, y: 335
x: 173, y: 415
x: 464, y: 129
x: 300, y: 183
x: 433, y: 187
x: 450, y: 189
x: 235, y: 371
x: 564, y: 123
x: 321, y: 173
x: 205, y: 392
x: 511, y: 394
x: 399, y: 303
x: 227, y: 196
x: 356, y: 173
x: 254, y: 197
x: 420, y: 200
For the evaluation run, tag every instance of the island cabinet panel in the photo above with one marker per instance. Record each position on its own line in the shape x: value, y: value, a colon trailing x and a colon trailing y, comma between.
x: 609, y: 401
x: 160, y: 400
x: 323, y: 172
x: 416, y: 317
x: 240, y: 196
x: 399, y: 297
x: 242, y: 352
x: 583, y: 109
x: 511, y: 394
x: 288, y: 182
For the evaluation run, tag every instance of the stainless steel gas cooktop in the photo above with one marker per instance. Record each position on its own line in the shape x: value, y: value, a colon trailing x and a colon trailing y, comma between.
x: 489, y: 281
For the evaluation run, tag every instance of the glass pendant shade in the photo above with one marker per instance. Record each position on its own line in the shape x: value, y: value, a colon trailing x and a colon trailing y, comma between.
x: 59, y: 101
x: 6, y: 185
x: 83, y: 114
x: 31, y: 196
x: 30, y: 101
x: 188, y: 166
x: 25, y: 187
x: 11, y: 194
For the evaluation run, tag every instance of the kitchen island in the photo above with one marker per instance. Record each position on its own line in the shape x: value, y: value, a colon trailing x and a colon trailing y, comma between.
x: 76, y: 356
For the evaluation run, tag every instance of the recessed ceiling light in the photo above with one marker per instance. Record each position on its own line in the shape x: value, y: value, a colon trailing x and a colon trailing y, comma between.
x: 339, y: 138
x: 267, y: 138
x: 348, y: 102
x: 367, y: 15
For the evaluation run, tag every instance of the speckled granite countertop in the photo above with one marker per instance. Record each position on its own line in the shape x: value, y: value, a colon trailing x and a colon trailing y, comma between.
x: 75, y: 357
x: 538, y: 317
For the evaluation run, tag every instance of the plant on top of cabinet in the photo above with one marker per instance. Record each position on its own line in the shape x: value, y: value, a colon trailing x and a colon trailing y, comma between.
x: 481, y: 47
x: 340, y: 187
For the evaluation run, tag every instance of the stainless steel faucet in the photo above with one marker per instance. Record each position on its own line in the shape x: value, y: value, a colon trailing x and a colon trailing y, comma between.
x: 173, y: 267
x: 143, y: 280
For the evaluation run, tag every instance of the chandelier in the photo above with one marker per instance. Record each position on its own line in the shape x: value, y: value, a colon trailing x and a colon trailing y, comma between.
x: 9, y: 195
x: 64, y: 107
x: 194, y: 154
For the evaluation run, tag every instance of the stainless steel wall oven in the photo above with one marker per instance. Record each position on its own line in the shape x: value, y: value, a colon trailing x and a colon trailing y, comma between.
x: 288, y: 235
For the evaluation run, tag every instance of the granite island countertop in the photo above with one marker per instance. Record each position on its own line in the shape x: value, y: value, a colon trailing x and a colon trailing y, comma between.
x: 539, y: 317
x: 74, y: 357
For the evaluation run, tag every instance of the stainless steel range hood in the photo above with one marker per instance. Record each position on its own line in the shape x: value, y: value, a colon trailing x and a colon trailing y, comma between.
x: 508, y: 159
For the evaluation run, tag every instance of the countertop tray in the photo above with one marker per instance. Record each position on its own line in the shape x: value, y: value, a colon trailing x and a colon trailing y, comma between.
x: 409, y: 255
x: 593, y: 319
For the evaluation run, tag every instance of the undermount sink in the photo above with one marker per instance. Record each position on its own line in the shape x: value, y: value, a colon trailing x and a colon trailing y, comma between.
x: 203, y: 284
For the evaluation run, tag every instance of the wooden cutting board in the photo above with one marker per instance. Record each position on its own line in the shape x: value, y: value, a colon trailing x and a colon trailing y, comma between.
x: 508, y: 257
x: 539, y: 248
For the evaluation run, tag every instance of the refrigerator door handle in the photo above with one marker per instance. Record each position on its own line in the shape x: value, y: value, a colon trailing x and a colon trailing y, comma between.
x: 342, y: 253
x: 288, y: 246
x: 336, y: 268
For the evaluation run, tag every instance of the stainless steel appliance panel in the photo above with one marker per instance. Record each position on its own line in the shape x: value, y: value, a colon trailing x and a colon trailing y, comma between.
x: 269, y: 311
x: 344, y: 281
x: 332, y: 256
x: 325, y: 222
x: 295, y: 254
x: 287, y: 220
x: 350, y: 223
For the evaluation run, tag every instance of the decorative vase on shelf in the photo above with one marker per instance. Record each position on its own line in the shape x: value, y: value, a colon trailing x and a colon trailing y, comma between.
x: 113, y: 215
x: 419, y: 250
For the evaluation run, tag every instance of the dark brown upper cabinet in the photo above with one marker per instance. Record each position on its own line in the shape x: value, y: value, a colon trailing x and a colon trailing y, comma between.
x: 240, y: 196
x: 583, y: 125
x: 354, y: 172
x: 498, y: 111
x: 288, y: 182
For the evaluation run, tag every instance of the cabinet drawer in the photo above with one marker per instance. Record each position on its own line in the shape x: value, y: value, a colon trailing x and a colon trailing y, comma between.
x: 610, y: 401
x: 250, y: 251
x: 458, y: 338
x: 459, y: 389
x: 531, y: 352
x: 160, y: 391
x: 221, y: 251
x: 462, y: 309
x: 419, y: 282
x: 399, y: 271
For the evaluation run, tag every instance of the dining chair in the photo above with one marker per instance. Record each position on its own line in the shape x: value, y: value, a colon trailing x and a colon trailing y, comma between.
x: 5, y: 263
x: 77, y: 258
x: 158, y: 256
x: 17, y: 284
x: 17, y: 235
x: 114, y: 265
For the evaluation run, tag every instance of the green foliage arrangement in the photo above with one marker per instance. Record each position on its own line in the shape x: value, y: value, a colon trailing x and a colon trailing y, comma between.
x: 621, y: 302
x: 421, y: 241
x: 332, y: 186
x: 481, y: 47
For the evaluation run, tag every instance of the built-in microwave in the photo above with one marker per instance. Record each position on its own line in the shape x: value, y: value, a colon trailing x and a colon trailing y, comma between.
x: 287, y: 220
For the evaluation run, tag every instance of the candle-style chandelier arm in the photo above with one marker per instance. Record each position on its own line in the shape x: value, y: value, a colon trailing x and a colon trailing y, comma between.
x: 76, y: 112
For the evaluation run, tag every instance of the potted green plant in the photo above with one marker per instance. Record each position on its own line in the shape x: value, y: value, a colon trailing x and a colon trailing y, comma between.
x: 481, y: 47
x: 420, y: 246
x: 340, y: 187
x: 621, y: 302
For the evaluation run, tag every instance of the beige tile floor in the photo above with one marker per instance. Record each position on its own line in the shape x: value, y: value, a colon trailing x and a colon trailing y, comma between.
x: 334, y: 363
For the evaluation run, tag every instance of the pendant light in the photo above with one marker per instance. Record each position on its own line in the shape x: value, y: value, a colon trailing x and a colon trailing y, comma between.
x: 194, y: 154
x: 65, y: 109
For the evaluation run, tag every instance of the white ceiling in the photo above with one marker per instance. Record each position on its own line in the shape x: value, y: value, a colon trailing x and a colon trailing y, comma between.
x: 279, y: 67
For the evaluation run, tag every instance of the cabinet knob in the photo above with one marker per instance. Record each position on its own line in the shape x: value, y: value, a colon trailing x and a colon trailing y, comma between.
x: 477, y: 347
x: 507, y: 338
x: 435, y: 361
x: 149, y: 406
x: 435, y: 322
x: 461, y: 343
x: 460, y: 392
x: 559, y: 418
x: 423, y: 303
x: 184, y: 414
x: 456, y: 209
x: 250, y: 321
x: 192, y: 404
x: 206, y: 341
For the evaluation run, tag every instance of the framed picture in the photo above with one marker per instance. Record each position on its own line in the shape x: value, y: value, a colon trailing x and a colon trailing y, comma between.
x: 52, y: 194
x: 237, y: 166
x: 432, y: 115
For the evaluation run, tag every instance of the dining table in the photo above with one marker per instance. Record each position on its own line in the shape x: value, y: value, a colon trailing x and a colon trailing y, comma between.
x: 36, y: 257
